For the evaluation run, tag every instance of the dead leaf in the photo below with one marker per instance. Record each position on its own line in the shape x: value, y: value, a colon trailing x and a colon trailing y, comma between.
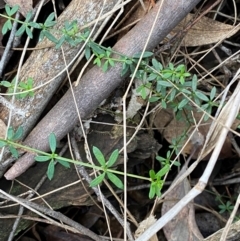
x: 171, y: 129
x: 145, y: 224
x: 183, y: 226
x: 205, y: 31
x: 25, y: 6
x: 3, y: 129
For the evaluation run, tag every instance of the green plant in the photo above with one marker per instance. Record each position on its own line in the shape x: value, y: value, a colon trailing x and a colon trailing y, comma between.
x: 155, y: 179
x: 25, y: 87
x: 27, y: 24
x: 226, y: 207
x: 52, y: 158
x: 105, y: 166
x: 12, y: 136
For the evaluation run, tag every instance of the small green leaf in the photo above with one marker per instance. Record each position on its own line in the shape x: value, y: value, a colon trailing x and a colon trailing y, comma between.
x: 165, y: 83
x: 163, y: 171
x: 60, y: 42
x: 99, y: 156
x: 20, y: 31
x: 63, y: 163
x: 111, y: 62
x: 28, y: 16
x: 96, y: 181
x: 97, y: 61
x: 96, y: 49
x: 176, y: 163
x: 213, y: 93
x: 14, y: 151
x: 5, y: 28
x: 153, y: 99
x: 14, y: 10
x: 18, y: 133
x: 42, y: 158
x: 2, y: 144
x: 9, y: 24
x: 52, y: 142
x: 152, y: 190
x: 34, y: 25
x: 182, y: 103
x: 5, y: 83
x: 49, y: 36
x: 201, y: 96
x: 145, y: 55
x: 41, y: 35
x: 125, y: 69
x: 29, y: 32
x: 113, y: 158
x: 50, y: 170
x: 87, y: 52
x: 157, y: 66
x: 152, y: 174
x: 8, y: 10
x: 10, y: 133
x: 105, y: 66
x: 50, y: 18
x: 115, y: 180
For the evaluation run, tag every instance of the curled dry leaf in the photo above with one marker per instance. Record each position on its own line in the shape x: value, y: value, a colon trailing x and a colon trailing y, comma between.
x: 172, y: 129
x: 25, y: 6
x: 205, y: 31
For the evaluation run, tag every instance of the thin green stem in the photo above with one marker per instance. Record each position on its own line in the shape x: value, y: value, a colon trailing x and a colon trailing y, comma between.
x: 17, y: 145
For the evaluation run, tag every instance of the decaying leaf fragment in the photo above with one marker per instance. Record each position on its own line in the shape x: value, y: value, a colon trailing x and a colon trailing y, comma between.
x: 3, y: 129
x: 205, y: 31
x: 172, y: 129
x: 145, y: 224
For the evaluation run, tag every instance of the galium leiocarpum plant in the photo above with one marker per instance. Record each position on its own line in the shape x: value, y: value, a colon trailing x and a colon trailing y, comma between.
x: 156, y: 179
x: 165, y: 83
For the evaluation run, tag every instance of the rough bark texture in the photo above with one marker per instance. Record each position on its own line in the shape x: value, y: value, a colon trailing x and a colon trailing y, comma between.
x: 95, y: 85
x: 44, y: 64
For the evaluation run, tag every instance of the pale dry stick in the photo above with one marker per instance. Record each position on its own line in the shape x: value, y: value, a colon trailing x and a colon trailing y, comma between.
x: 101, y: 41
x: 125, y: 119
x: 31, y: 194
x: 98, y: 192
x: 40, y: 210
x: 230, y: 220
x: 232, y: 108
